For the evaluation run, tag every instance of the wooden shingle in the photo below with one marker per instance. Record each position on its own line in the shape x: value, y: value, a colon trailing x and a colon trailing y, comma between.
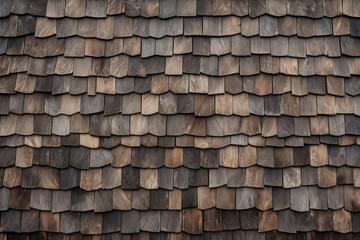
x: 66, y: 27
x: 249, y: 65
x: 173, y: 65
x: 231, y: 25
x: 220, y: 46
x: 286, y: 25
x: 19, y: 199
x: 150, y: 221
x: 267, y: 221
x: 260, y: 45
x: 276, y: 7
x: 212, y: 26
x: 95, y: 182
x: 212, y: 220
x: 342, y: 221
x: 96, y: 9
x: 318, y: 155
x: 228, y: 65
x: 291, y: 177
x: 13, y: 222
x: 268, y: 26
x: 297, y: 46
x: 12, y: 178
x: 279, y: 46
x: 240, y: 46
x: 45, y: 27
x: 289, y: 66
x: 49, y: 221
x: 204, y: 105
x: 174, y: 157
x: 30, y: 221
x: 327, y: 176
x: 192, y: 221
x: 256, y: 8
x: 255, y: 177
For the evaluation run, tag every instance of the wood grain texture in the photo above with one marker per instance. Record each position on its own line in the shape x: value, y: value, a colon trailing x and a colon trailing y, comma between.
x: 206, y: 197
x: 255, y: 177
x: 174, y: 157
x: 225, y: 198
x: 291, y: 177
x: 45, y: 27
x: 267, y: 220
x: 90, y: 179
x: 318, y: 155
x: 299, y: 199
x: 148, y: 178
x: 342, y: 221
x: 192, y: 221
x: 49, y: 221
x: 122, y: 199
x: 204, y: 105
x: 24, y: 157
x: 175, y: 203
x: 212, y: 220
x: 91, y: 223
x: 228, y: 157
x: 150, y: 221
x: 173, y: 65
x: 326, y: 176
x: 12, y: 177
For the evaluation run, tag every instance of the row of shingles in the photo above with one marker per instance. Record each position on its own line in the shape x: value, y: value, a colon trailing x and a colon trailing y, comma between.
x: 36, y: 141
x: 47, y: 27
x: 220, y: 104
x: 305, y: 203
x: 217, y: 24
x: 124, y: 65
x: 302, y: 90
x: 270, y: 131
x: 144, y: 120
x: 149, y: 140
x: 300, y: 198
x: 144, y: 162
x: 318, y: 198
x: 198, y: 74
x: 216, y: 46
x: 296, y: 134
x: 174, y: 221
x: 150, y: 157
x: 265, y: 26
x: 123, y: 26
x: 38, y: 66
x: 166, y: 46
x: 168, y: 9
x: 56, y: 9
x: 260, y: 84
x: 192, y: 125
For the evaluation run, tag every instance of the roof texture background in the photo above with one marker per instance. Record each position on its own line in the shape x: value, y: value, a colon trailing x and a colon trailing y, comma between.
x: 187, y: 119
